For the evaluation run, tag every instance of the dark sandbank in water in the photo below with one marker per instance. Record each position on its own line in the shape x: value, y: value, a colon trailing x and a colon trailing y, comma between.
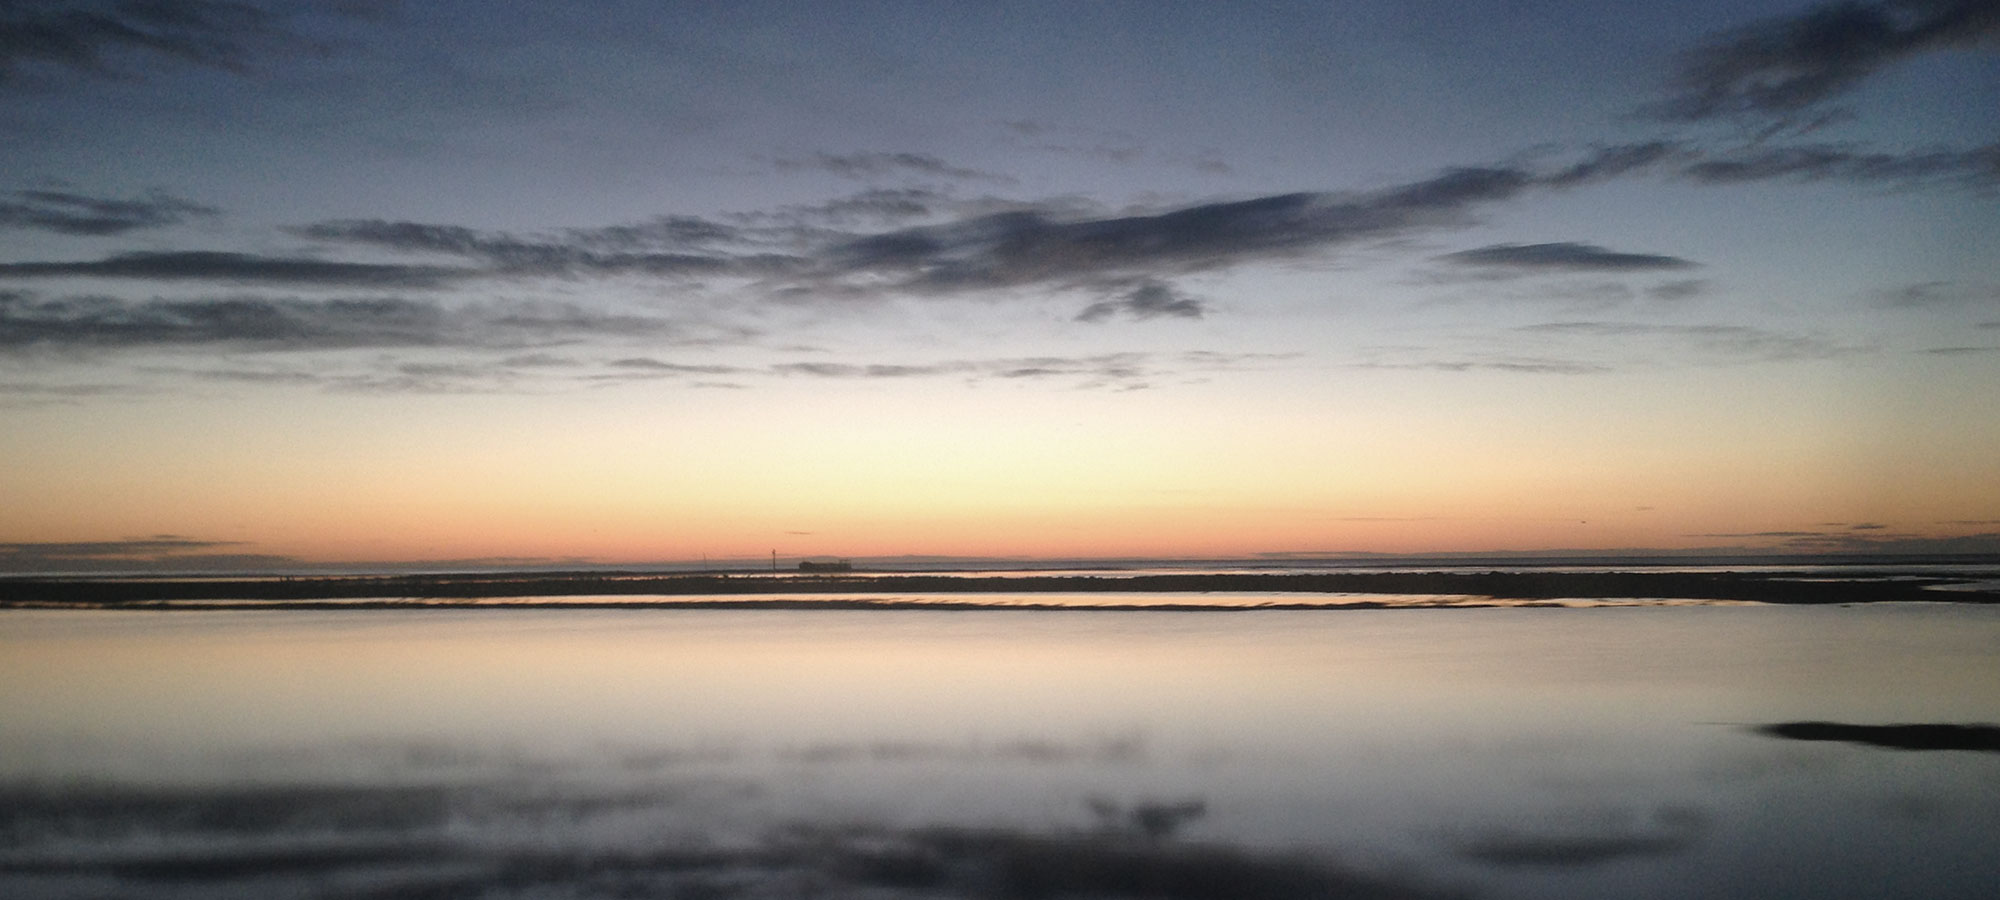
x: 1894, y: 737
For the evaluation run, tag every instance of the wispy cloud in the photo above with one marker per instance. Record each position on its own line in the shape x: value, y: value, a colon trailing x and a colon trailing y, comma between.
x: 1563, y: 256
x: 1094, y: 371
x: 66, y: 213
x: 874, y: 165
x: 1835, y: 539
x: 1961, y: 351
x: 427, y: 378
x: 155, y: 553
x: 875, y: 205
x: 1047, y: 244
x: 1781, y: 67
x: 150, y: 546
x: 18, y: 394
x: 826, y: 255
x: 1741, y: 342
x: 1941, y: 295
x: 803, y: 253
x: 1107, y: 370
x: 669, y: 246
x: 110, y: 39
x: 1607, y: 162
x: 645, y: 366
x: 1978, y: 167
x: 1514, y: 364
x: 283, y: 323
x: 1028, y: 246
x: 380, y: 376
x: 59, y: 390
x: 1106, y: 146
x: 1148, y: 299
x: 1757, y: 534
x: 1677, y: 290
x: 1601, y: 347
x: 239, y: 267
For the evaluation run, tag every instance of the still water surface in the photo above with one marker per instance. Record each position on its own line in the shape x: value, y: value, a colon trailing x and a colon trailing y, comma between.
x: 910, y: 753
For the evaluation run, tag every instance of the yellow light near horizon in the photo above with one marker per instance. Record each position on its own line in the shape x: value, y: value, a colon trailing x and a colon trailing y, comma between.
x: 903, y: 468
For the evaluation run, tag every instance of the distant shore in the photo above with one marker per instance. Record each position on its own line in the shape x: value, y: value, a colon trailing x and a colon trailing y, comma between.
x: 717, y: 590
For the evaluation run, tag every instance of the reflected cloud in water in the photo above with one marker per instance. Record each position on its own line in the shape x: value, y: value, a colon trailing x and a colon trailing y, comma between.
x: 549, y: 840
x: 1595, y: 840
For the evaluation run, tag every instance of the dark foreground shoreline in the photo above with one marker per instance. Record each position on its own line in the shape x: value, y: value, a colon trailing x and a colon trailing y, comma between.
x: 710, y: 590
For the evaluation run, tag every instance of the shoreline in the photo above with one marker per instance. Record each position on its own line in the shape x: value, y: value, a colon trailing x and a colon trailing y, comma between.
x: 455, y: 591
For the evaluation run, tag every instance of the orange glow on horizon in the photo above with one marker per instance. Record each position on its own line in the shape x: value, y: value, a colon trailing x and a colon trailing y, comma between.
x: 918, y: 473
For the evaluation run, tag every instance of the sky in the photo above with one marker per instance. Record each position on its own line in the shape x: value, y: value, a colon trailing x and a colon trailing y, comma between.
x: 488, y: 283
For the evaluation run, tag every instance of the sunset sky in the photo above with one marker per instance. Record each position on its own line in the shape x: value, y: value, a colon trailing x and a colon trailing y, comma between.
x: 468, y: 283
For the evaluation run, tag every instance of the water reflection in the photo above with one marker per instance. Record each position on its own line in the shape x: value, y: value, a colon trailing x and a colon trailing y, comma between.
x: 502, y: 840
x: 1393, y: 753
x: 1591, y: 841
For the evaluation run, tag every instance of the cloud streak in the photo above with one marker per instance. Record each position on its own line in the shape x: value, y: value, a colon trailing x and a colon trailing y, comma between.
x: 89, y: 38
x: 1029, y: 246
x: 76, y: 214
x: 1731, y: 341
x: 1784, y: 66
x: 265, y: 323
x: 158, y: 552
x: 1978, y: 167
x: 672, y: 246
x: 1114, y: 370
x: 215, y: 266
x: 1941, y: 295
x: 1563, y: 256
x: 1149, y: 299
x: 807, y: 254
x: 151, y: 546
x: 1871, y: 541
x: 1048, y: 245
x: 874, y: 165
x: 1515, y: 365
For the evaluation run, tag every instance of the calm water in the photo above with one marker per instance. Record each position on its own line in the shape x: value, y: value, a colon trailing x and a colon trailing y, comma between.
x: 765, y: 753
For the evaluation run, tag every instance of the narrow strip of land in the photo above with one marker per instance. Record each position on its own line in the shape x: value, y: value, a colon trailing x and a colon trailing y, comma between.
x: 1759, y: 587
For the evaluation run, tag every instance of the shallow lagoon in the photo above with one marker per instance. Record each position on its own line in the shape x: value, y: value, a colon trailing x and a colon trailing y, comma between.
x: 924, y: 753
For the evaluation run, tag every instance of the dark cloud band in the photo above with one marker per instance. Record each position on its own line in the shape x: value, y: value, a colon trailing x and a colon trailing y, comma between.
x: 261, y: 323
x: 76, y: 214
x: 89, y: 37
x: 865, y: 166
x: 1782, y: 66
x: 1030, y: 246
x: 1564, y: 256
x: 1979, y: 167
x: 239, y: 267
x: 669, y: 246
